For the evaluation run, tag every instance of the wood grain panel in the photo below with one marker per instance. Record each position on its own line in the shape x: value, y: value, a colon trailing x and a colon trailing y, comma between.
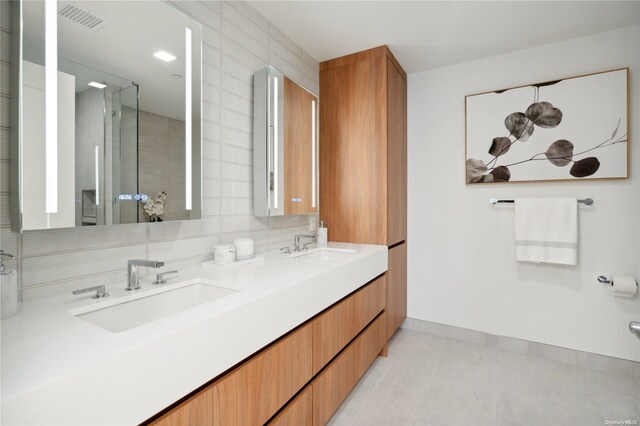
x: 297, y: 149
x: 362, y: 56
x: 198, y: 410
x: 353, y: 152
x: 396, y: 288
x: 397, y: 155
x: 334, y: 383
x: 334, y: 328
x: 298, y: 412
x: 254, y: 392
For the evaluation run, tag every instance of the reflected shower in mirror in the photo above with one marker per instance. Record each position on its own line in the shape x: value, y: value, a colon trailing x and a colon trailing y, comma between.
x: 111, y: 128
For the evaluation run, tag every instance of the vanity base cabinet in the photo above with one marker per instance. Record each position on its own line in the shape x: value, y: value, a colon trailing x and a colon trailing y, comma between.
x: 298, y: 412
x: 396, y: 307
x: 303, y: 377
x: 253, y: 392
x: 335, y: 382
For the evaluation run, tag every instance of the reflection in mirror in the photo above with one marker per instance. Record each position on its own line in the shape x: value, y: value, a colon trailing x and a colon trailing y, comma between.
x: 110, y: 114
x: 285, y: 146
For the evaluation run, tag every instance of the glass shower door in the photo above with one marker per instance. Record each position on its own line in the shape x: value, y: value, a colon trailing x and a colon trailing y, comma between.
x: 125, y: 155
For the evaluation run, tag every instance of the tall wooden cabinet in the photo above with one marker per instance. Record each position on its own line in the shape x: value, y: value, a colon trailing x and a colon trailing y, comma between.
x: 363, y: 160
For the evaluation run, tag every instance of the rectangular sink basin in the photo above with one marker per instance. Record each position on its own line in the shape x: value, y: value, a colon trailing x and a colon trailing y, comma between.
x: 322, y: 254
x: 131, y: 313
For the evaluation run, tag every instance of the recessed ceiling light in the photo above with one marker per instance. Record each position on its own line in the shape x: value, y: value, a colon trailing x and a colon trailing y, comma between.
x: 97, y: 85
x: 164, y: 56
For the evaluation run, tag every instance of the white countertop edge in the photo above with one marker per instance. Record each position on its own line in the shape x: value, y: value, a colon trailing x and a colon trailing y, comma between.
x: 134, y: 385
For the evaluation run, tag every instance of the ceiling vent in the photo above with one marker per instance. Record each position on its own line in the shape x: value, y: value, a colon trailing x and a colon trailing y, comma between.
x: 80, y: 16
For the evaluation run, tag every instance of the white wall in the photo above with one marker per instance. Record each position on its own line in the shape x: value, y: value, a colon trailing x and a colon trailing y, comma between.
x: 237, y: 41
x: 462, y: 270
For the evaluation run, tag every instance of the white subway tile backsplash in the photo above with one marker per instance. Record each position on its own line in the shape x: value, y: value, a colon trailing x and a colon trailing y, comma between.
x: 235, y: 206
x: 5, y: 144
x: 4, y: 175
x: 237, y: 138
x: 211, y: 168
x: 237, y: 41
x: 5, y: 13
x: 237, y: 87
x: 183, y: 248
x: 211, y: 207
x: 237, y: 104
x: 211, y: 188
x: 211, y: 112
x: 211, y: 150
x: 236, y: 155
x: 211, y: 55
x: 199, y: 11
x: 237, y: 121
x: 237, y: 172
x: 246, y: 18
x: 58, y: 267
x: 184, y: 229
x: 237, y: 189
x: 74, y: 239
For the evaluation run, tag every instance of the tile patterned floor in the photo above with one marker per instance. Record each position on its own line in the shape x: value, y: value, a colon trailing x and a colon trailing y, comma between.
x: 431, y: 380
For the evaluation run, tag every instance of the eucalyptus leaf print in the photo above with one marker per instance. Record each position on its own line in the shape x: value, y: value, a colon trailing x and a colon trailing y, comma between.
x: 560, y: 153
x: 518, y: 126
x: 544, y: 115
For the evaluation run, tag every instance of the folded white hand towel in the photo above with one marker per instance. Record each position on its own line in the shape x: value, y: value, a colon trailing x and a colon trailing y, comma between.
x: 546, y: 230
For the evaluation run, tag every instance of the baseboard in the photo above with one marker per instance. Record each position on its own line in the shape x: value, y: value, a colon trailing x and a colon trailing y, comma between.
x: 555, y: 353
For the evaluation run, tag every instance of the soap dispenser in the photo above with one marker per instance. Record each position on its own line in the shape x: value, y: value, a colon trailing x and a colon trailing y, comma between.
x: 322, y: 235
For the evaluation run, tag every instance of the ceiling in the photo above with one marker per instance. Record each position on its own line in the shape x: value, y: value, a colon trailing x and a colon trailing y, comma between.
x: 430, y: 34
x: 120, y: 50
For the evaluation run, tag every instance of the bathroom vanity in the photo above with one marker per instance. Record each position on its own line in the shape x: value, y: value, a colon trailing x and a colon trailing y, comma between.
x: 286, y: 345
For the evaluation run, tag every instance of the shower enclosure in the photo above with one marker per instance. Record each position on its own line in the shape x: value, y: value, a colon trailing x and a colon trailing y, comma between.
x: 125, y: 195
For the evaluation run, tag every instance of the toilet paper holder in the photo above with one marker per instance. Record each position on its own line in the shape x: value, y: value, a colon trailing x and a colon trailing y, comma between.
x: 604, y: 280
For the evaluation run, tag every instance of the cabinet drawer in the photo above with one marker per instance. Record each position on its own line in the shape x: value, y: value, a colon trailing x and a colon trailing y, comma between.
x: 334, y: 328
x: 333, y: 384
x: 296, y: 413
x: 254, y: 391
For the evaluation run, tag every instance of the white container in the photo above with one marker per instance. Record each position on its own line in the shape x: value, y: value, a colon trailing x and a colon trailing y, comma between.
x: 322, y: 235
x: 244, y: 248
x: 224, y: 254
x: 8, y: 294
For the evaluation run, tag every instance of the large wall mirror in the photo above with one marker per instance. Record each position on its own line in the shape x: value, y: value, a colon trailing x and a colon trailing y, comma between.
x: 110, y: 114
x: 285, y: 146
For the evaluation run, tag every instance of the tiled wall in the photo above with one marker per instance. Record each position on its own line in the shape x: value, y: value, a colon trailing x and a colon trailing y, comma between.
x: 237, y: 42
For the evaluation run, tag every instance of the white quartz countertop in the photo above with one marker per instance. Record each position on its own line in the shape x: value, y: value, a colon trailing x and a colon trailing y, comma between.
x: 58, y: 369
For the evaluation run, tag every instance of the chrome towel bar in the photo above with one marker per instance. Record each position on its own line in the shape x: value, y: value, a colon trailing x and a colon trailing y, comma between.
x: 587, y: 201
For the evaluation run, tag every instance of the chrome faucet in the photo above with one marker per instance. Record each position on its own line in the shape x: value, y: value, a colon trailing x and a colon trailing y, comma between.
x: 99, y: 289
x: 298, y: 237
x: 2, y: 256
x: 133, y: 283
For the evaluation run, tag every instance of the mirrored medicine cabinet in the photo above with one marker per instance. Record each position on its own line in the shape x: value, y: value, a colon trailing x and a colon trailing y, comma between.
x: 285, y: 146
x: 109, y: 114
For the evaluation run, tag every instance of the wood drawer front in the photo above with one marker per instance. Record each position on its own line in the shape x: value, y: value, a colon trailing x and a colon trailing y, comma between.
x: 333, y: 385
x: 253, y: 392
x: 333, y: 329
x: 296, y: 413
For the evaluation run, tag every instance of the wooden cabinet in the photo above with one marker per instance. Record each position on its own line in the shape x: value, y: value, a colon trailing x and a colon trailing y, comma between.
x: 334, y: 328
x: 261, y: 388
x: 396, y: 306
x: 298, y: 412
x: 363, y: 154
x: 253, y: 392
x: 363, y: 160
x: 335, y: 382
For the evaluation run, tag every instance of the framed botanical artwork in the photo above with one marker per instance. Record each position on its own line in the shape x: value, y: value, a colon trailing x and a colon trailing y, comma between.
x: 570, y: 129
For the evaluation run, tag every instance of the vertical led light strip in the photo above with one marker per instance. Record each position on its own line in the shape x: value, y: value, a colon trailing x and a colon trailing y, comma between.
x: 97, y: 155
x: 275, y: 142
x: 187, y: 120
x: 313, y: 153
x: 51, y: 105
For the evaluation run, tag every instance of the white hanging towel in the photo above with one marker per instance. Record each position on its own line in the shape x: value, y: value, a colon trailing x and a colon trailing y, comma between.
x: 546, y: 230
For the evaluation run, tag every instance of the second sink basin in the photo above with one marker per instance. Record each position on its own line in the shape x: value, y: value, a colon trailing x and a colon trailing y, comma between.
x: 322, y: 254
x: 130, y: 313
